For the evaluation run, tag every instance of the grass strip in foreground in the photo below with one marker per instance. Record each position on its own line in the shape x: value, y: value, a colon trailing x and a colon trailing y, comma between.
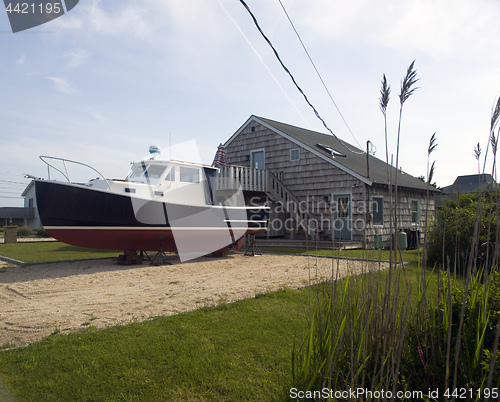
x: 233, y: 352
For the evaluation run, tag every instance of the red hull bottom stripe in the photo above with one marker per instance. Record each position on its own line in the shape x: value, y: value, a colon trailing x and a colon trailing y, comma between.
x: 147, y: 240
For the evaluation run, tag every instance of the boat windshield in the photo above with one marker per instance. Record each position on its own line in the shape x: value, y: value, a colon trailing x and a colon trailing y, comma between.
x: 148, y: 173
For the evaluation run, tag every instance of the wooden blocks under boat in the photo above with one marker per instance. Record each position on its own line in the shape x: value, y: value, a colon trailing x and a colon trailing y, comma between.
x: 130, y: 257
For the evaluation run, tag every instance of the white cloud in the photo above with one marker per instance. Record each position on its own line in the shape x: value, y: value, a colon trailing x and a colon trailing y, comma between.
x: 129, y: 20
x: 67, y: 22
x: 91, y: 17
x: 439, y: 29
x: 77, y: 57
x: 61, y: 85
x: 21, y: 60
x: 97, y: 114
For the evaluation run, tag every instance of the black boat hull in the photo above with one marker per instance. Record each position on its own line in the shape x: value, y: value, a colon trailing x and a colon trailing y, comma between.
x: 87, y: 217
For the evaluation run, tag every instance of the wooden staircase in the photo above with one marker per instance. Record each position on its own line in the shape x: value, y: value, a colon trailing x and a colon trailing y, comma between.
x: 260, y: 180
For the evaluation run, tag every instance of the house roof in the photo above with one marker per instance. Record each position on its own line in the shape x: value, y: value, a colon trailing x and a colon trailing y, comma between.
x: 470, y: 183
x: 28, y: 187
x: 341, y: 154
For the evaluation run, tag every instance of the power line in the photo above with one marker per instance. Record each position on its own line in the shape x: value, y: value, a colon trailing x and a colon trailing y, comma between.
x: 13, y: 182
x: 319, y: 75
x: 291, y: 76
x: 261, y: 59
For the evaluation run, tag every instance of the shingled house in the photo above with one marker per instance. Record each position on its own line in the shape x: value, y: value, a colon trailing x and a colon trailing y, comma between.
x: 345, y: 192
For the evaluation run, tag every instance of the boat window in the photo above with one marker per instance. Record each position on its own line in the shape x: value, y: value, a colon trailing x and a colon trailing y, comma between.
x: 137, y: 172
x: 170, y: 175
x: 155, y: 171
x: 210, y: 183
x: 189, y: 175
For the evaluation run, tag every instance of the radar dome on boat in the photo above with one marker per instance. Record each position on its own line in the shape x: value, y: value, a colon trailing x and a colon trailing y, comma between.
x: 155, y: 151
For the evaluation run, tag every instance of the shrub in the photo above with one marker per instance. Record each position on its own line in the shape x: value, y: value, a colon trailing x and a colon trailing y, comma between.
x: 41, y: 232
x: 452, y: 232
x: 462, y: 322
x: 356, y: 336
x: 24, y: 231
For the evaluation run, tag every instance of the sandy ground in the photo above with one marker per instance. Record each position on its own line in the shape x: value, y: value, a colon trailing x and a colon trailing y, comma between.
x: 38, y: 299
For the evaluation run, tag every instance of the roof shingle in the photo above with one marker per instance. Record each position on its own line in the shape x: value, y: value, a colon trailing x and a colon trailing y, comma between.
x: 354, y: 159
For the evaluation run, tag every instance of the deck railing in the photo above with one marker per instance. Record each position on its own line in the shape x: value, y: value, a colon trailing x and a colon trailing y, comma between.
x: 251, y: 179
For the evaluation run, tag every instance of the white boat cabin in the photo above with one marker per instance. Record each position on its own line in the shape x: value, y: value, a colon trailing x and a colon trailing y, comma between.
x: 166, y: 181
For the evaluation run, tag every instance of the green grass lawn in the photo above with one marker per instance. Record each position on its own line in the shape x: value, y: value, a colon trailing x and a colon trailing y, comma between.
x: 55, y: 251
x: 233, y: 352
x: 410, y: 256
x: 51, y: 251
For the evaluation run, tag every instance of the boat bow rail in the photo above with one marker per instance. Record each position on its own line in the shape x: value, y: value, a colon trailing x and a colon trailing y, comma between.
x: 64, y: 160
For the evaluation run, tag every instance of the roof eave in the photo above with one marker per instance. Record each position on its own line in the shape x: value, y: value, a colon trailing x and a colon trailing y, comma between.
x: 310, y: 149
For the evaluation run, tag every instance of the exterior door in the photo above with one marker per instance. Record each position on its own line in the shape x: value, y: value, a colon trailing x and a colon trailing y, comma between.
x: 257, y: 161
x: 342, y: 217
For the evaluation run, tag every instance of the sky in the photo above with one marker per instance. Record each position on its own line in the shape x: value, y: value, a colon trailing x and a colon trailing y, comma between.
x: 108, y: 79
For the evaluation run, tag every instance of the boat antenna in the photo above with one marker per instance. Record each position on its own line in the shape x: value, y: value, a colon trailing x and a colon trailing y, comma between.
x: 170, y: 144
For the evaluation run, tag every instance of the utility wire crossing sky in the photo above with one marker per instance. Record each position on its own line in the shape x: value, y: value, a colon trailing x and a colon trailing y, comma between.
x: 106, y: 80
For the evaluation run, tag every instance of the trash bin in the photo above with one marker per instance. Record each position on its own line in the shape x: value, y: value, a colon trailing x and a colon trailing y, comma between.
x: 413, y: 239
x: 402, y: 240
x: 10, y: 234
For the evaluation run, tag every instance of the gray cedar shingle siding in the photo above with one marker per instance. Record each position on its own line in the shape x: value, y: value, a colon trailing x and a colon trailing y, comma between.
x: 316, y: 174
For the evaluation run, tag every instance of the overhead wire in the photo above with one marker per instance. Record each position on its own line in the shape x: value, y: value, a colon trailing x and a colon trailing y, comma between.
x: 12, y: 182
x: 292, y: 77
x: 261, y: 60
x: 9, y: 187
x: 317, y: 72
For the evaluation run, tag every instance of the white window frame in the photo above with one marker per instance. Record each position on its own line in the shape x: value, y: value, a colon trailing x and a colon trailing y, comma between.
x: 298, y: 154
x: 418, y: 212
x: 381, y: 212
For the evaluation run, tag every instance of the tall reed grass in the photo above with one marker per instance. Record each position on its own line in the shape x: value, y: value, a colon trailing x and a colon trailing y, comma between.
x: 433, y: 331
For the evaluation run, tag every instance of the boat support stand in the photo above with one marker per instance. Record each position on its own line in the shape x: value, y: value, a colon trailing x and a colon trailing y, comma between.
x: 252, y: 249
x: 160, y: 255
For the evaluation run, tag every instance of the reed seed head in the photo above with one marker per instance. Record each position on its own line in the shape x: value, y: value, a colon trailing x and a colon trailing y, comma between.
x: 494, y: 142
x: 477, y: 151
x: 385, y: 93
x: 495, y: 116
x: 408, y: 82
x: 432, y: 144
x: 431, y: 172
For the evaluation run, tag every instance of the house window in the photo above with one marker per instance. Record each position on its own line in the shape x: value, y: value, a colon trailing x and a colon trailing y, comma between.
x: 189, y: 175
x: 415, y: 212
x: 30, y: 203
x: 343, y: 207
x: 378, y: 210
x: 294, y: 154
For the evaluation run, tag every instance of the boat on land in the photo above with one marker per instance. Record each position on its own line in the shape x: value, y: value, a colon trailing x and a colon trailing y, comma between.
x: 161, y: 205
